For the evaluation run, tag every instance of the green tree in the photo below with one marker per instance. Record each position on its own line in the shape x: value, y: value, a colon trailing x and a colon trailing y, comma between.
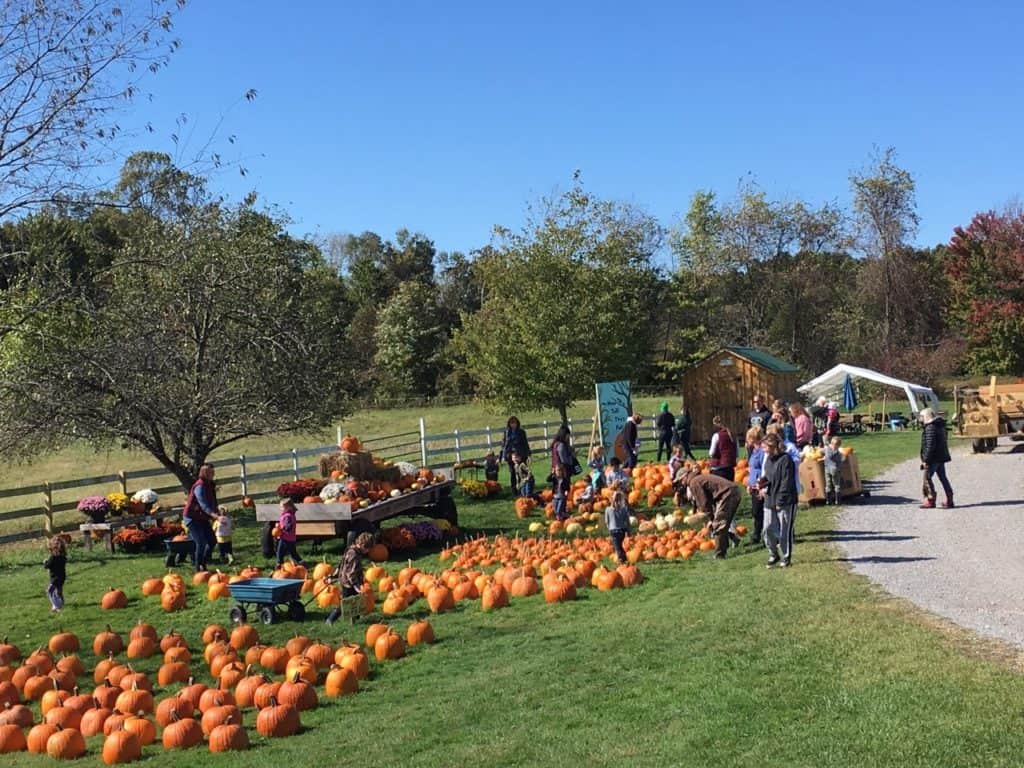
x: 408, y: 337
x: 198, y: 335
x: 567, y: 301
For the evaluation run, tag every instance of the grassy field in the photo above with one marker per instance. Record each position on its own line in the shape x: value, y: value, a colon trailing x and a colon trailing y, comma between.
x: 706, y: 663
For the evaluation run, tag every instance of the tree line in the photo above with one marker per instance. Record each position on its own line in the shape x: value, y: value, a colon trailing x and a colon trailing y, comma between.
x: 157, y: 314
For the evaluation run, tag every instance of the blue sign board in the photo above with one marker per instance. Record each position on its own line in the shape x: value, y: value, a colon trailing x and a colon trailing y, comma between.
x: 614, y: 406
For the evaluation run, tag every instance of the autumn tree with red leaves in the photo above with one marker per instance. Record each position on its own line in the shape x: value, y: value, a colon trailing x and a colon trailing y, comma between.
x: 985, y: 271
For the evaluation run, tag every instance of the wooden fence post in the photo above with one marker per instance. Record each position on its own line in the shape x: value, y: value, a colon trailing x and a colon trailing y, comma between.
x: 423, y: 442
x: 490, y: 442
x: 339, y: 435
x: 545, y: 431
x: 295, y: 462
x: 48, y: 509
x: 458, y: 447
x: 241, y: 475
x: 122, y: 477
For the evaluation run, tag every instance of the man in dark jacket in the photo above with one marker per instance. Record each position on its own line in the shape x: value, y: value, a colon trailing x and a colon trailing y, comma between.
x: 934, y: 457
x: 631, y: 440
x: 665, y: 424
x: 683, y: 428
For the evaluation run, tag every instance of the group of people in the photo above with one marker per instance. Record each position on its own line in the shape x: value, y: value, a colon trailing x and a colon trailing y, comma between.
x: 773, y: 442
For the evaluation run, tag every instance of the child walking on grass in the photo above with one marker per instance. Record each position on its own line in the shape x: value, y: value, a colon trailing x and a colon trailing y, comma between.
x: 349, y: 572
x: 287, y: 536
x: 616, y: 518
x: 56, y: 564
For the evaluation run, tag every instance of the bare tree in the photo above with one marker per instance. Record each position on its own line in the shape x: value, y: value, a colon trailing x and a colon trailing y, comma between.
x: 885, y: 208
x: 67, y: 67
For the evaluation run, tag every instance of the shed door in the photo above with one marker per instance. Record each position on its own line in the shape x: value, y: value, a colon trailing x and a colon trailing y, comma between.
x: 727, y: 394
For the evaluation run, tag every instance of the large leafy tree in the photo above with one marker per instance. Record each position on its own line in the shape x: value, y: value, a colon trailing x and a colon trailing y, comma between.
x: 985, y: 271
x: 409, y: 336
x: 566, y: 301
x: 200, y: 332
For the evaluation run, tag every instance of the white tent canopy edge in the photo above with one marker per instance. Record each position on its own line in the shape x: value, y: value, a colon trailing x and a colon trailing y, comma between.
x: 830, y: 384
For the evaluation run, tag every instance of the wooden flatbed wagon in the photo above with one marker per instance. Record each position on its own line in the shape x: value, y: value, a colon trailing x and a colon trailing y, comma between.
x: 339, y: 519
x: 986, y: 413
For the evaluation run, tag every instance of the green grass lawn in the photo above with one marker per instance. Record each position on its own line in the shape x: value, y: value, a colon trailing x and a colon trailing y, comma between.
x: 706, y: 663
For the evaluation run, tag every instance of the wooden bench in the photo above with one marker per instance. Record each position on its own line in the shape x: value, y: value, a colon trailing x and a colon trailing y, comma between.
x: 107, y: 529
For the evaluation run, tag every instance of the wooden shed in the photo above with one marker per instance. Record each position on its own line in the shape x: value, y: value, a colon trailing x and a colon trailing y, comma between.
x: 724, y: 384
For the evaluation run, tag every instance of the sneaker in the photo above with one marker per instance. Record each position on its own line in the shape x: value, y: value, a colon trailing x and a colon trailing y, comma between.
x: 719, y: 555
x: 772, y: 562
x: 231, y: 559
x: 785, y: 564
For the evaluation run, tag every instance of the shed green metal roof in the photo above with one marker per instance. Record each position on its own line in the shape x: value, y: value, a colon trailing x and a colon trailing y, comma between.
x: 762, y: 359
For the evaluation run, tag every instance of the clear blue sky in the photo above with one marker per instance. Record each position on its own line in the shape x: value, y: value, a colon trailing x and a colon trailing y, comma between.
x: 447, y: 117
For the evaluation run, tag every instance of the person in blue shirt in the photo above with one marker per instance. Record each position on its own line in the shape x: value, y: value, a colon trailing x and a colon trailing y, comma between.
x: 755, y: 465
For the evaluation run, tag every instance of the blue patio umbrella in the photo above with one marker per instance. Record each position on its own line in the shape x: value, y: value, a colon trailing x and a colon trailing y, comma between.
x: 849, y: 394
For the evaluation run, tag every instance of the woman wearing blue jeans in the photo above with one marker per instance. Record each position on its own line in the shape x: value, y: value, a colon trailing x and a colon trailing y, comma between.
x: 200, y: 509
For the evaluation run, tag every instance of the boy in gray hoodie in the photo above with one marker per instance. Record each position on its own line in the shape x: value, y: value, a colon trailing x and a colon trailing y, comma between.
x: 616, y: 518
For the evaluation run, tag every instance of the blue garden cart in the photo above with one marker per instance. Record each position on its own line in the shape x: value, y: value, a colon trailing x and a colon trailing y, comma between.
x: 266, y: 595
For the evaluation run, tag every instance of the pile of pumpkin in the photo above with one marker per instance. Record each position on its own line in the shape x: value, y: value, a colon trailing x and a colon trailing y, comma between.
x: 651, y: 479
x: 123, y: 710
x: 554, y: 577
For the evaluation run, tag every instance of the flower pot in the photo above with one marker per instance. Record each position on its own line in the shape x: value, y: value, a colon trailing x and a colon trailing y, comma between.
x: 97, y: 516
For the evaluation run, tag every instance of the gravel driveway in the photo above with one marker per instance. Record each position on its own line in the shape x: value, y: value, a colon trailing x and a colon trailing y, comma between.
x: 964, y: 564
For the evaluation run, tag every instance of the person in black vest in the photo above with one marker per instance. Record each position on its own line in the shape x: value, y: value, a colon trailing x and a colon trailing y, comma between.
x: 665, y: 425
x: 934, y: 457
x: 723, y: 451
x: 514, y: 441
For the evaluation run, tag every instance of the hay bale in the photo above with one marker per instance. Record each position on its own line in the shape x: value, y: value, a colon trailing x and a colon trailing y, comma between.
x: 331, y: 462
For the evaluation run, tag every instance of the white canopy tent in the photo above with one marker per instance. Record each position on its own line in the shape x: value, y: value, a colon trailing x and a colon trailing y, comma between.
x: 830, y: 384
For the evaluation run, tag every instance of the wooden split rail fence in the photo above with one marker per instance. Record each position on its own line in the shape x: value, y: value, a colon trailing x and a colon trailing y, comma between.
x: 33, y: 511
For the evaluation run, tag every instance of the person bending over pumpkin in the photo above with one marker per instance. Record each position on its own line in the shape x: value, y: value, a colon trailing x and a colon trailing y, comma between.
x: 717, y: 498
x: 349, y: 572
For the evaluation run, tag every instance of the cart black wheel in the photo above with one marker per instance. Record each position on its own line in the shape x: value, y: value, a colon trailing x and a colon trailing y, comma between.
x: 169, y: 560
x: 296, y: 611
x: 267, y: 614
x: 237, y: 615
